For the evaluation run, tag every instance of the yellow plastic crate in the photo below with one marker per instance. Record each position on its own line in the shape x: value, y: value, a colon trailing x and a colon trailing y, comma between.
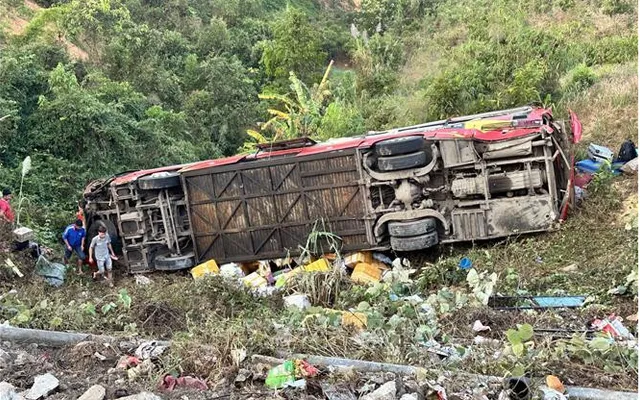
x: 360, y: 257
x: 254, y: 280
x: 206, y: 268
x: 366, y: 273
x: 321, y: 265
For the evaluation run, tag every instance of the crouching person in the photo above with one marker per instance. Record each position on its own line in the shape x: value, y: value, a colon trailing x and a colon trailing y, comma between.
x: 101, y: 248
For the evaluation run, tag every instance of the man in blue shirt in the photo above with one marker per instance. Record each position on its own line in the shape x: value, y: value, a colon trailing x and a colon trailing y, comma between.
x: 73, y: 237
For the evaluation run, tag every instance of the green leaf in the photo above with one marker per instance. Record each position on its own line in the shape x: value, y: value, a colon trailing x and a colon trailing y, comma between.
x: 89, y: 308
x: 124, y: 298
x: 518, y: 349
x: 513, y: 336
x: 107, y: 307
x: 55, y: 322
x: 600, y: 344
x: 526, y: 332
x: 518, y: 370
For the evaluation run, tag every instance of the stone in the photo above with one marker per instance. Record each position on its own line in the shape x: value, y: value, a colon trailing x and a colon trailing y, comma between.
x: 413, y: 396
x: 42, y: 386
x: 384, y: 392
x: 95, y: 392
x: 24, y: 358
x: 8, y: 392
x: 570, y: 268
x: 5, y: 359
x: 142, y: 396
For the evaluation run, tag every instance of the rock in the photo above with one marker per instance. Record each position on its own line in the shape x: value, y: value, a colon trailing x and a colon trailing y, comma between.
x: 42, y: 386
x: 8, y: 392
x: 95, y: 392
x: 570, y: 268
x: 242, y: 375
x: 413, y: 396
x: 5, y: 359
x: 384, y: 392
x: 24, y: 358
x: 142, y: 396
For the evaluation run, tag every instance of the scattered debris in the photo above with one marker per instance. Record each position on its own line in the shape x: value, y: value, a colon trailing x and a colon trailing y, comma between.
x: 170, y: 382
x: 599, y: 153
x: 535, y: 302
x: 631, y: 167
x: 337, y: 392
x: 95, y: 392
x: 551, y: 394
x: 149, y: 350
x: 519, y: 387
x: 288, y: 372
x: 142, y: 396
x: 207, y: 268
x: 127, y: 361
x: 479, y: 327
x: 238, y: 356
x: 627, y: 152
x: 300, y: 301
x: 465, y: 263
x: 613, y: 326
x: 42, y: 386
x: 99, y: 356
x: 142, y: 280
x: 367, y: 273
x: 143, y: 369
x: 384, y: 392
x: 53, y: 273
x: 554, y: 383
x: 8, y: 392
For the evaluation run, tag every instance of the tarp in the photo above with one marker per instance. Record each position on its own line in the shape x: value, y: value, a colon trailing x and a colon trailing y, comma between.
x: 53, y: 273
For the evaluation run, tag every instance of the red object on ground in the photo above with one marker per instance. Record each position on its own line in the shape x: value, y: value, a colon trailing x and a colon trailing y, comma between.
x: 582, y: 180
x: 127, y: 361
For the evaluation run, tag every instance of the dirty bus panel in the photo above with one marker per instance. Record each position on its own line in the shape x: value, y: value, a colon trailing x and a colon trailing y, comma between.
x: 469, y: 178
x: 260, y: 209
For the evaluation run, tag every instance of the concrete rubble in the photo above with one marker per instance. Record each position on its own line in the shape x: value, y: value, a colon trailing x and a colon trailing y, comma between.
x: 95, y: 392
x: 42, y: 386
x: 384, y: 392
x: 142, y: 396
x: 8, y: 392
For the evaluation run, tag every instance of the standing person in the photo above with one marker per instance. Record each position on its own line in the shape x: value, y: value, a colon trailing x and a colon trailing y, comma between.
x: 5, y: 206
x: 101, y: 246
x: 74, y: 236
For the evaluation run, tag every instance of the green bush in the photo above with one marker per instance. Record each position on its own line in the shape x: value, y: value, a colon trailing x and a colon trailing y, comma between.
x: 580, y: 78
x: 612, y: 7
x: 612, y: 50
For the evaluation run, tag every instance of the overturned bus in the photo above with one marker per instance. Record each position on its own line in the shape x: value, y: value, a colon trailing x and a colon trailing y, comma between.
x: 470, y: 178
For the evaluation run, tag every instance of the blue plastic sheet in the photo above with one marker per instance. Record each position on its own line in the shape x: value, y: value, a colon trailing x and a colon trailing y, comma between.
x: 53, y: 273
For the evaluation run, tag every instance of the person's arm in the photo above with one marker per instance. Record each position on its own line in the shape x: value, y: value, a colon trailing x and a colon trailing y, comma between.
x: 3, y: 210
x: 91, y: 246
x: 65, y: 237
x: 113, y: 254
x: 84, y: 236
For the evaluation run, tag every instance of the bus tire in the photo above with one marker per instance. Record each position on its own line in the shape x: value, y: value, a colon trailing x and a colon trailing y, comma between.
x: 413, y: 243
x: 167, y: 262
x: 404, y: 161
x: 401, y: 145
x: 167, y: 181
x: 412, y: 228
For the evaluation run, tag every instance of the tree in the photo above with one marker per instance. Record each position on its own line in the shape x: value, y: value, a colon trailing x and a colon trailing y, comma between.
x: 295, y: 47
